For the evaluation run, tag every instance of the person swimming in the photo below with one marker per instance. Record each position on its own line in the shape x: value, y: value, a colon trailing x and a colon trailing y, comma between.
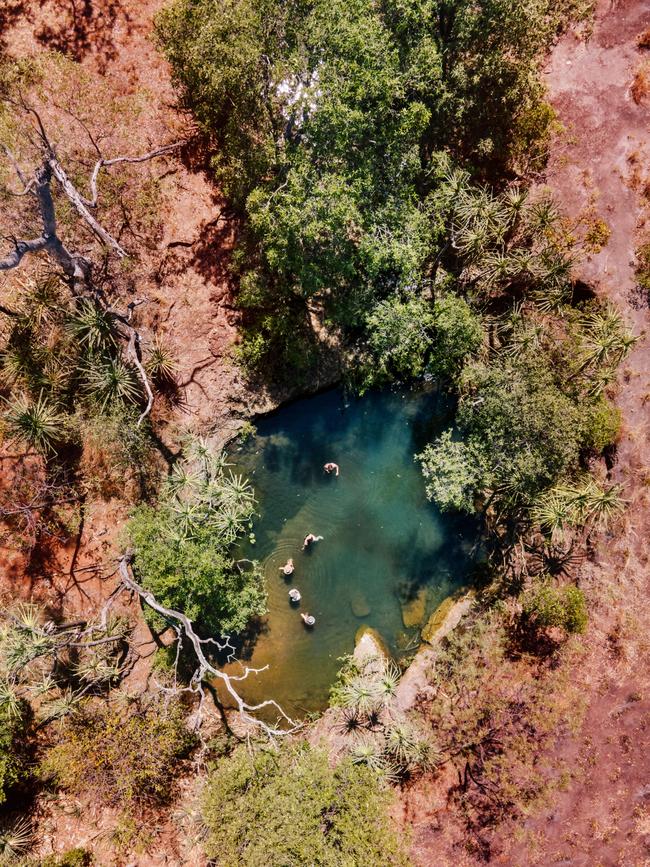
x: 330, y: 466
x: 308, y: 619
x: 288, y: 568
x: 309, y: 539
x: 294, y: 595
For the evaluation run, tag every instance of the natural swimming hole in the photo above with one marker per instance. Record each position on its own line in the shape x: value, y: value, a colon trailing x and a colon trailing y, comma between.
x: 388, y: 557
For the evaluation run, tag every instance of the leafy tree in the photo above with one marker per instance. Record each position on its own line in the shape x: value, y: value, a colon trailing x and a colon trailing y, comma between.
x: 182, y: 547
x: 327, y: 119
x: 289, y: 807
x: 453, y: 472
x: 410, y: 337
x: 520, y: 434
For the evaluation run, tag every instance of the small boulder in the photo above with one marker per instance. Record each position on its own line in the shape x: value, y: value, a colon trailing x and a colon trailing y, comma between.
x: 359, y: 603
x: 414, y: 611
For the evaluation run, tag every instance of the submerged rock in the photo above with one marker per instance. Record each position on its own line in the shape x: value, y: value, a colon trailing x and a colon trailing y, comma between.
x: 414, y: 611
x: 359, y: 603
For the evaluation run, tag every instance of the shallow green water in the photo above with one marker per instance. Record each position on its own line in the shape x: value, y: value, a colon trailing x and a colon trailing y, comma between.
x: 382, y: 539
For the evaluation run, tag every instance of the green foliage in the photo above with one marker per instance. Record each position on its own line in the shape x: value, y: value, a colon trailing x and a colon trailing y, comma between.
x: 61, y: 363
x: 110, y: 381
x: 412, y: 337
x: 12, y: 736
x: 161, y: 364
x: 37, y: 423
x: 127, y: 761
x: 520, y: 434
x: 601, y: 425
x: 15, y: 840
x: 289, y: 808
x: 327, y: 119
x: 77, y: 857
x: 182, y: 547
x: 566, y: 506
x: 547, y: 606
x: 454, y: 473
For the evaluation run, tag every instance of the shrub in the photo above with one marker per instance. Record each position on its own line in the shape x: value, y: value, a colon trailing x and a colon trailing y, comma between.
x: 287, y: 808
x: 410, y: 337
x: 72, y: 858
x: 12, y: 735
x: 547, y: 607
x: 122, y: 760
x: 601, y: 425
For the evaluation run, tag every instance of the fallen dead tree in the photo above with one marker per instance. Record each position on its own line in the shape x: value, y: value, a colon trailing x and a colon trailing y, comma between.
x: 205, y: 669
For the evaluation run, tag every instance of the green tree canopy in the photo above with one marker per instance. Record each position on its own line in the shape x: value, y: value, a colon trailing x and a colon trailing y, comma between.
x: 288, y: 808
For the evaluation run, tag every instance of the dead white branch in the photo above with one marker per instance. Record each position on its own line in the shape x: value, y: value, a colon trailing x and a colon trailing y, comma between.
x: 205, y: 668
x: 102, y: 163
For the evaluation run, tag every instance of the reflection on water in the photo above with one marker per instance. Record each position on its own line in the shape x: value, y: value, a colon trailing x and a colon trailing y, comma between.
x: 382, y: 540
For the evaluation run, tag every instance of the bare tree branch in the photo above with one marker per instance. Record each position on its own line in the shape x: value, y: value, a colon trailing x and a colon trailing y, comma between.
x: 102, y: 163
x: 205, y: 668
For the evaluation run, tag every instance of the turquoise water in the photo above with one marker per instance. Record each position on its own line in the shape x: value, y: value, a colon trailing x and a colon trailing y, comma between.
x: 383, y: 542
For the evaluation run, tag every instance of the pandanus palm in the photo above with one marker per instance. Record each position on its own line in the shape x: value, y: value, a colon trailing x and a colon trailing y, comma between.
x: 110, y: 380
x: 606, y: 340
x: 36, y: 423
x: 93, y: 327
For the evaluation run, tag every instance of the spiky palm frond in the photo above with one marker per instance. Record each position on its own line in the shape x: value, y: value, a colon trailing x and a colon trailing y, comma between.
x: 188, y: 517
x: 514, y: 200
x: 40, y: 299
x: 401, y: 743
x: 606, y: 340
x: 388, y: 681
x: 93, y: 327
x: 36, y: 423
x: 43, y: 686
x: 228, y: 522
x: 9, y: 699
x: 15, y: 839
x: 543, y: 215
x: 18, y: 364
x: 603, y: 504
x: 524, y: 340
x: 572, y: 506
x: 97, y: 669
x: 554, y: 512
x: 109, y: 380
x: 161, y: 364
x: 182, y: 480
x: 368, y: 751
x: 60, y: 706
x: 361, y: 693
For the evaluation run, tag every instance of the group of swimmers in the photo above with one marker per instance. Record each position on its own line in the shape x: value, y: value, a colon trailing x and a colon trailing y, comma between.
x: 289, y: 568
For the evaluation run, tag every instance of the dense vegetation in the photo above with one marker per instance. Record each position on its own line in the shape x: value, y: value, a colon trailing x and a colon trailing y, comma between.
x: 289, y: 807
x: 127, y: 761
x: 328, y: 123
x: 183, y: 546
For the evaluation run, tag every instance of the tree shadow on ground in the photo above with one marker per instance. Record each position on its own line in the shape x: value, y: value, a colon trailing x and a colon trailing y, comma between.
x: 77, y: 28
x: 10, y: 12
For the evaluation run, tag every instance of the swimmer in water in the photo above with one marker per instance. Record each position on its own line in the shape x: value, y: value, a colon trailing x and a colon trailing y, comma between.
x: 309, y: 538
x: 308, y: 619
x: 288, y: 567
x: 331, y: 467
